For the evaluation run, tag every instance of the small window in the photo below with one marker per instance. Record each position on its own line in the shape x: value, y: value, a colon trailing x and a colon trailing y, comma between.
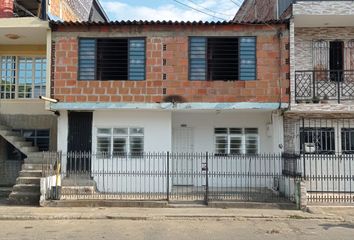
x: 22, y: 77
x: 120, y: 141
x: 111, y: 59
x: 236, y: 141
x: 222, y: 58
x: 347, y: 137
x: 317, y: 140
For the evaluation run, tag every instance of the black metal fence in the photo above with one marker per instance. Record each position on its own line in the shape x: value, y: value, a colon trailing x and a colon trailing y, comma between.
x: 329, y: 178
x: 199, y: 177
x: 324, y: 85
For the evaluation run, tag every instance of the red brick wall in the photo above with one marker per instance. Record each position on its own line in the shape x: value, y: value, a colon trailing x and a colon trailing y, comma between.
x: 270, y: 75
x: 6, y: 8
x: 61, y: 9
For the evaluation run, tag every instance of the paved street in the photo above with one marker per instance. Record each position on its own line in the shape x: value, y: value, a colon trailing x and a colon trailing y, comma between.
x: 177, y: 229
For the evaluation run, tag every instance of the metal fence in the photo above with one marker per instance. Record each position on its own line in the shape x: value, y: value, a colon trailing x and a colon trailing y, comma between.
x: 329, y: 178
x: 200, y: 177
x: 335, y: 85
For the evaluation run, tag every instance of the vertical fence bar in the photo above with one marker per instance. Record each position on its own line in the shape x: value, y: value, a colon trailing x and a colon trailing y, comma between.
x: 168, y: 177
x: 206, y: 178
x: 314, y: 94
x: 303, y: 147
x: 339, y: 80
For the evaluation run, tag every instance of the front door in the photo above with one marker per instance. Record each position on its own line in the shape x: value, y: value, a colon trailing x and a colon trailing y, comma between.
x: 182, y: 142
x: 336, y: 62
x: 79, y: 141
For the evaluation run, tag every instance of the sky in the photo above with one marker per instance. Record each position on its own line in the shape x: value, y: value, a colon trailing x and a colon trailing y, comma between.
x: 209, y: 10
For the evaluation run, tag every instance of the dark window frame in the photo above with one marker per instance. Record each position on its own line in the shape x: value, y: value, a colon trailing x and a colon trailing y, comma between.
x: 344, y: 133
x: 96, y: 54
x: 322, y: 133
x: 206, y: 57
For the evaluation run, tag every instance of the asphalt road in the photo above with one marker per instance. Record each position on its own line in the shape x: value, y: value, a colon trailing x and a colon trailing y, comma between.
x: 253, y: 229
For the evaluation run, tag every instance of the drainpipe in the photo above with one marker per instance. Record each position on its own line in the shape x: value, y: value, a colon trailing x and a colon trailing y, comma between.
x: 279, y: 35
x: 6, y: 8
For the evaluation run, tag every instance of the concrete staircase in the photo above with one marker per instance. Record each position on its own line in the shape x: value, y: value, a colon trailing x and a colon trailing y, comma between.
x: 27, y: 188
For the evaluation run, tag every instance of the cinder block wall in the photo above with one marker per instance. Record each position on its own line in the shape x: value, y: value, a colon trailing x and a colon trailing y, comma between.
x: 272, y: 65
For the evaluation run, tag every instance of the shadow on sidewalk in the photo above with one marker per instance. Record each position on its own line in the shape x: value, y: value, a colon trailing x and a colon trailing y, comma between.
x: 4, y: 195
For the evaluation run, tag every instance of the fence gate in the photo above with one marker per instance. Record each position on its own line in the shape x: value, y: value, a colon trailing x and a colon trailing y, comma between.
x: 189, y: 177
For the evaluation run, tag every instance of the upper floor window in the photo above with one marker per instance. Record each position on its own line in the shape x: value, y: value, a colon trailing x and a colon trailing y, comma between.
x: 222, y: 58
x: 111, y: 59
x: 22, y: 77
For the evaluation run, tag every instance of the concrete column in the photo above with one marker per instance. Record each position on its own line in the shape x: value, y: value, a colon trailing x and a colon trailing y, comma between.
x: 6, y: 8
x: 301, y: 194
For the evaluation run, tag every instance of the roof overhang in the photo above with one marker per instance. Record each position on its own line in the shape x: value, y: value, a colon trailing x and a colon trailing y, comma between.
x: 26, y: 30
x: 167, y: 106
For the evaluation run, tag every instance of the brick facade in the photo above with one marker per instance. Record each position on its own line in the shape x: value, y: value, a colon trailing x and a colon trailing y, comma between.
x: 62, y: 10
x: 272, y: 69
x: 6, y: 8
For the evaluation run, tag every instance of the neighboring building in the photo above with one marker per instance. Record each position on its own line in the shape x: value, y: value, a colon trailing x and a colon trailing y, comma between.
x: 134, y: 87
x: 319, y: 124
x: 26, y: 127
x: 257, y: 10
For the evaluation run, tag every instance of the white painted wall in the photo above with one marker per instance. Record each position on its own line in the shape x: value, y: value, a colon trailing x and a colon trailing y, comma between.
x: 156, y: 124
x: 63, y: 129
x: 203, y: 124
x: 158, y: 127
x: 157, y: 138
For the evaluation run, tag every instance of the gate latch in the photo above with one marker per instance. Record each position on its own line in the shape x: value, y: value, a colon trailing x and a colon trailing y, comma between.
x: 204, y: 167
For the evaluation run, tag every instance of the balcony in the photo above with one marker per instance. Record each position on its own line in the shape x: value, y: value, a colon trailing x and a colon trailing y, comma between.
x: 23, y: 8
x: 331, y: 85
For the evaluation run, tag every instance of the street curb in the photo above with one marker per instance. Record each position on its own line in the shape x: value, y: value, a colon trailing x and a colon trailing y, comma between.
x: 166, y: 217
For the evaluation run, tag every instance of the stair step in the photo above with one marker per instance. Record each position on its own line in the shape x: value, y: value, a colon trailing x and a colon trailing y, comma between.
x: 35, y: 166
x: 30, y: 149
x: 31, y: 173
x: 3, y: 127
x: 33, y: 188
x: 36, y: 160
x: 14, y: 138
x: 28, y: 180
x: 24, y: 198
x: 9, y: 133
x: 24, y: 144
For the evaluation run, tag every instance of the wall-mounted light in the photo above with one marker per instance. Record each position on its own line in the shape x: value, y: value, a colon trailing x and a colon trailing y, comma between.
x: 12, y: 36
x: 52, y: 100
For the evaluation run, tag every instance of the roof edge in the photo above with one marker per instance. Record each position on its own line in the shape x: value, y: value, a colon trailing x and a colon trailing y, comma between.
x: 141, y: 22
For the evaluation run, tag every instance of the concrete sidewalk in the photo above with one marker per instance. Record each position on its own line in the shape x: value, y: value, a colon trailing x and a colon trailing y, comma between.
x: 38, y: 213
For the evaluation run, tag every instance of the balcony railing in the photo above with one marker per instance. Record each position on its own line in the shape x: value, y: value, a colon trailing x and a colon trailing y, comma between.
x: 332, y: 85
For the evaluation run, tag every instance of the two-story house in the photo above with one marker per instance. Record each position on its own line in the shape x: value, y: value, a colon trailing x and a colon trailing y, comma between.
x: 125, y: 88
x: 26, y: 127
x: 319, y: 122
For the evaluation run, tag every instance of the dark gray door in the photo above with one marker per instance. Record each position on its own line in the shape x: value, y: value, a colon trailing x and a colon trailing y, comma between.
x: 79, y: 141
x: 336, y: 63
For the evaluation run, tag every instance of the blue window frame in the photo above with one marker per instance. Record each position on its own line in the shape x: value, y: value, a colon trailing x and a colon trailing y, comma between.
x: 112, y: 59
x: 222, y: 58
